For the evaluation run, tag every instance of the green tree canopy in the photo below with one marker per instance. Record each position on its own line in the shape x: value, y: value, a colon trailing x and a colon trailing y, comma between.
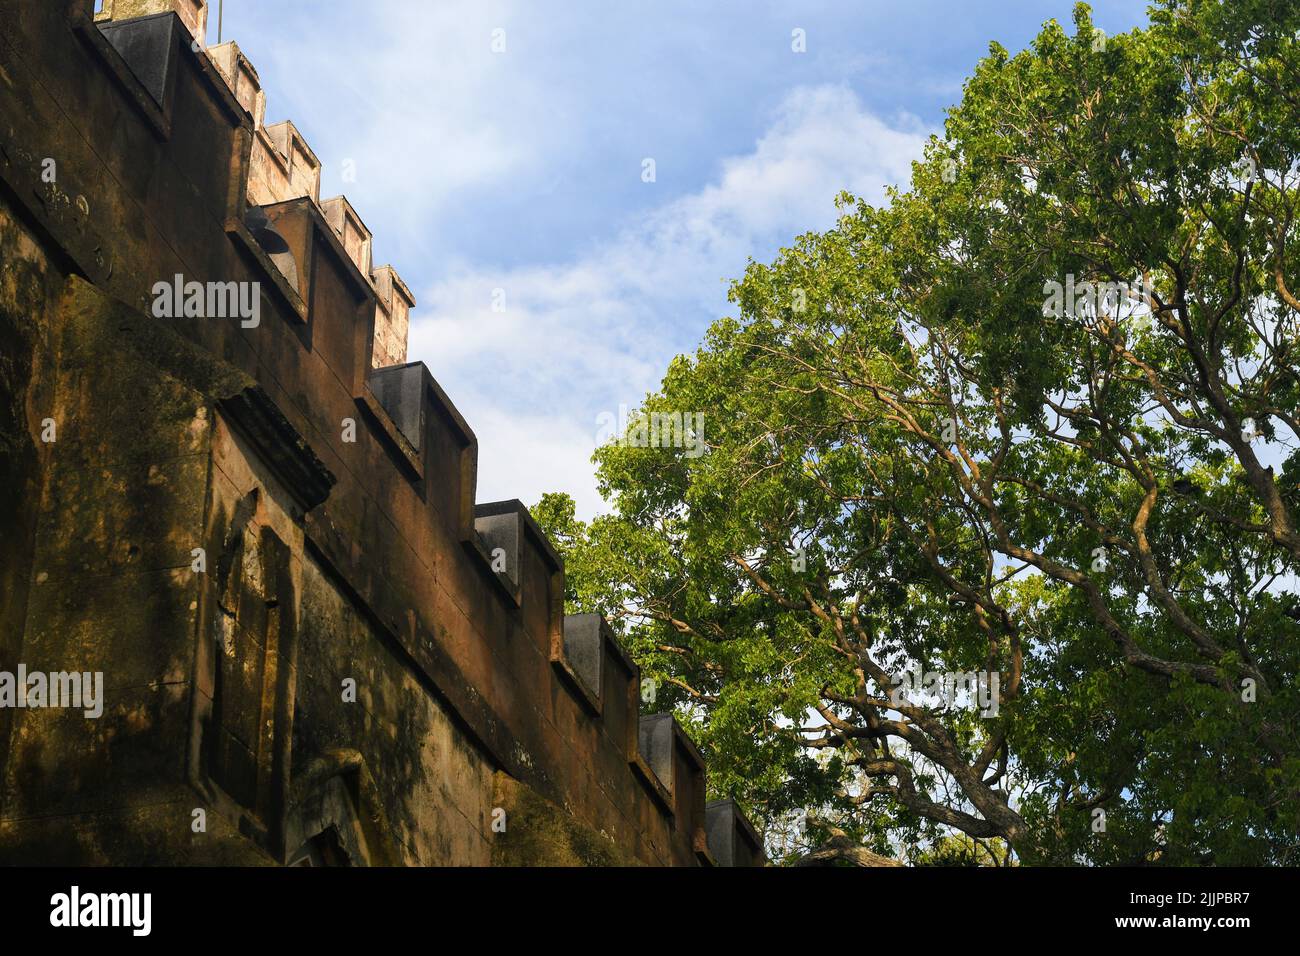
x: 1037, y: 417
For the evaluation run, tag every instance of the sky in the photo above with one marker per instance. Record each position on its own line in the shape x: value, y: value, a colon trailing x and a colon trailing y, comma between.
x: 498, y: 150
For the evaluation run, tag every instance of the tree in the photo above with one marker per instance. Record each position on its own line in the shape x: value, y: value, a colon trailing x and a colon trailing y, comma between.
x: 1027, y: 434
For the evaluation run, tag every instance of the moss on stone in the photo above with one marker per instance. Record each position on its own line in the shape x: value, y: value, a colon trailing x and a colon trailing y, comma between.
x: 539, y: 833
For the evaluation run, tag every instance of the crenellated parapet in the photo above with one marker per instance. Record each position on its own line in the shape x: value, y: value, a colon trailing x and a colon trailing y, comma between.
x: 282, y: 166
x: 352, y: 232
x: 733, y: 841
x: 392, y: 317
x: 193, y: 13
x: 332, y: 483
x: 241, y: 77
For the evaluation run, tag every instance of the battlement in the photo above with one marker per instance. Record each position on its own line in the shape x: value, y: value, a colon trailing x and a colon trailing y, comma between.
x: 193, y: 13
x: 332, y: 483
x: 282, y: 165
x: 241, y: 77
x: 393, y: 320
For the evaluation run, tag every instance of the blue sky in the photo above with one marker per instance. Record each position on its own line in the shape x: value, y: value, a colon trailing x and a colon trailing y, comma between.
x: 521, y: 171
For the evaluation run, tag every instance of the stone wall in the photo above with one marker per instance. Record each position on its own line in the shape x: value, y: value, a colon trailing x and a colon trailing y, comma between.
x: 316, y: 646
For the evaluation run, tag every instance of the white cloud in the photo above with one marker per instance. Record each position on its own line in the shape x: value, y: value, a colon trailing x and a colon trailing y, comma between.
x: 524, y: 455
x: 430, y: 111
x: 582, y: 337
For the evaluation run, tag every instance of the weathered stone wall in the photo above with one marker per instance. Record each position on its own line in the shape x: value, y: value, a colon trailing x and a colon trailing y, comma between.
x: 118, y: 506
x: 27, y: 287
x: 435, y: 783
x: 264, y: 533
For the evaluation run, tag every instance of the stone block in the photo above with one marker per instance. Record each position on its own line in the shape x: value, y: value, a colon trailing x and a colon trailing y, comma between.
x: 733, y: 841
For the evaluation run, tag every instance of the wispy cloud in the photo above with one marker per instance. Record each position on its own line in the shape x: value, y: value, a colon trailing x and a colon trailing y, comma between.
x: 413, y: 95
x: 520, y: 171
x: 581, y: 337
